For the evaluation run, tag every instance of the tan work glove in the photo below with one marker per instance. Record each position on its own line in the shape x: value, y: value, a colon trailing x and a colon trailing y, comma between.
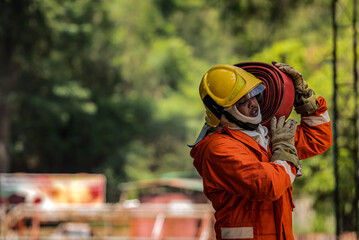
x: 283, y: 140
x: 305, y: 101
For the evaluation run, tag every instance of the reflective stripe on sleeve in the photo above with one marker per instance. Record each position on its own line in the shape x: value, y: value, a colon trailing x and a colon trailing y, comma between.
x: 287, y: 168
x: 237, y: 232
x: 316, y: 120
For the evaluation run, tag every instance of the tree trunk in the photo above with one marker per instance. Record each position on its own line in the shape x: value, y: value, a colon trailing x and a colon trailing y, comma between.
x: 334, y: 121
x: 4, y: 133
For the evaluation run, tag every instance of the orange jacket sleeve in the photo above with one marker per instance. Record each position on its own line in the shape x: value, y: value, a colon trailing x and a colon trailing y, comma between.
x: 235, y: 168
x: 314, y: 134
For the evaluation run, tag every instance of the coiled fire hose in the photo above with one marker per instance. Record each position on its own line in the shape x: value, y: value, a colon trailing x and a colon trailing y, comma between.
x: 278, y: 97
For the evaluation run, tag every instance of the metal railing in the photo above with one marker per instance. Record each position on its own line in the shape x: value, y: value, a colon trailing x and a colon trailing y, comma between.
x: 107, y: 218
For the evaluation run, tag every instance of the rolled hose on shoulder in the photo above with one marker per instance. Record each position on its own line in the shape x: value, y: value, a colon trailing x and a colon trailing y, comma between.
x: 278, y: 97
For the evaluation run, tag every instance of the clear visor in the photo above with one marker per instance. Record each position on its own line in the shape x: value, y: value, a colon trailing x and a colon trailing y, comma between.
x: 256, y: 91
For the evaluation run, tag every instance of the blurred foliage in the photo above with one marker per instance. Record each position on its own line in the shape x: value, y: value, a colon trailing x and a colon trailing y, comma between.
x: 112, y: 86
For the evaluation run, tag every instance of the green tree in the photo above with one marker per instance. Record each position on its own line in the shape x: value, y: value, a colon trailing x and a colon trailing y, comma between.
x: 24, y: 40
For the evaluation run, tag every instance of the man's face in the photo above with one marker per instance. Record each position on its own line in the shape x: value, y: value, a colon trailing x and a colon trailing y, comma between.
x: 248, y: 107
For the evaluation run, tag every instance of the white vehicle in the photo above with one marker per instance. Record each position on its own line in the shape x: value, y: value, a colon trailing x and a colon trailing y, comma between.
x: 72, y: 230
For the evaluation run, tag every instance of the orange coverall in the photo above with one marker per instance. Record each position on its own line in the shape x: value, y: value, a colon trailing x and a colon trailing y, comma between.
x: 252, y: 197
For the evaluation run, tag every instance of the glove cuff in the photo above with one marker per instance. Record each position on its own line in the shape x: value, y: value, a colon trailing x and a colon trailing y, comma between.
x: 305, y: 102
x: 286, y: 153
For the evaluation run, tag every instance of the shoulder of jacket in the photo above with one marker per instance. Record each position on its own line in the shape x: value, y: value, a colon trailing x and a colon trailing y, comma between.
x: 218, y: 140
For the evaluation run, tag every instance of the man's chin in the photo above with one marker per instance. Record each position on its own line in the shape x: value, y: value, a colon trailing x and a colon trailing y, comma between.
x: 254, y: 114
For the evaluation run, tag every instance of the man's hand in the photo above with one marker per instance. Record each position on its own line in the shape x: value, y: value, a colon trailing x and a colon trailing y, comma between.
x: 305, y: 101
x: 283, y: 144
x: 283, y: 133
x: 300, y: 85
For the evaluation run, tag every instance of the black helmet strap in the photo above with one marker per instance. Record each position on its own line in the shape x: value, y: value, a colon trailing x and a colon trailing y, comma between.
x: 213, y: 106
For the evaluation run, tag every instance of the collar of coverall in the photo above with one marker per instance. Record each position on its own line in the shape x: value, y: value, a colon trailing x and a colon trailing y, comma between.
x: 253, y: 122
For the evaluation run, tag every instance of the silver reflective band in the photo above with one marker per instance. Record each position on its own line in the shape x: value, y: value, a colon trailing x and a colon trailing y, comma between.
x: 316, y: 119
x: 287, y: 168
x: 237, y: 233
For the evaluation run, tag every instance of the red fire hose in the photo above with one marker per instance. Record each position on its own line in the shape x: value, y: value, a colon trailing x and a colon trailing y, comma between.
x: 278, y: 97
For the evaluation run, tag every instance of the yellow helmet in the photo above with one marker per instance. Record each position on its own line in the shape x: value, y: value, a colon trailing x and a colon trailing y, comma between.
x: 222, y: 86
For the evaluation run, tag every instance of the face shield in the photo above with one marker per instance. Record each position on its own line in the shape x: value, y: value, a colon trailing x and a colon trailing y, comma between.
x: 255, y: 92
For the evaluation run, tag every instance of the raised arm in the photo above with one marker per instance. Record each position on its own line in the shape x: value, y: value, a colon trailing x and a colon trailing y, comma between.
x: 314, y: 134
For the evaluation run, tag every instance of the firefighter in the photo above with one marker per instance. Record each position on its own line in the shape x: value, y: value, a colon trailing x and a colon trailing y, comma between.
x: 248, y: 170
